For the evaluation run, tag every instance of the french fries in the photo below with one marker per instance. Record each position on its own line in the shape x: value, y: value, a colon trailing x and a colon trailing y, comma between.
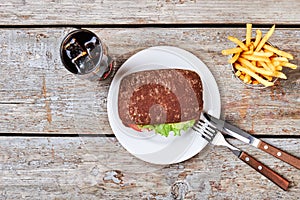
x: 257, y: 38
x: 265, y: 39
x: 278, y: 52
x: 253, y: 75
x: 248, y: 34
x: 255, y: 61
x: 238, y: 42
x: 232, y: 51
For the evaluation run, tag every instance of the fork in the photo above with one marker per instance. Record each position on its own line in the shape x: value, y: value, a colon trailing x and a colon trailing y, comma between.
x: 213, y: 136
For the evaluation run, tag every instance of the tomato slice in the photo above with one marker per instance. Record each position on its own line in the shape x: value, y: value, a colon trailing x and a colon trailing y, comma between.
x: 135, y: 127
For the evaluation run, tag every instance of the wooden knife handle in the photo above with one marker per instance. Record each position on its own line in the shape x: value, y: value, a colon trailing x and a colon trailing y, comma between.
x: 288, y: 158
x: 264, y: 170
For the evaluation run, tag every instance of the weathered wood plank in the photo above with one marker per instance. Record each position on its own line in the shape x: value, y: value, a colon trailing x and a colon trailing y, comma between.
x: 66, y: 12
x: 67, y: 168
x: 39, y: 96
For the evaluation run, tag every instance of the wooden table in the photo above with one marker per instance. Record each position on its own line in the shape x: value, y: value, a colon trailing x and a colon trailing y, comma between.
x: 49, y: 147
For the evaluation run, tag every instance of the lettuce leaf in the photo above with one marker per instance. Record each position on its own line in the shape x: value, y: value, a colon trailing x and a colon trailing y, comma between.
x: 165, y: 129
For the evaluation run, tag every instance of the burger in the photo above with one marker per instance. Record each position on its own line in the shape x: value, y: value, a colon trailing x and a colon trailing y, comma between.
x: 164, y: 100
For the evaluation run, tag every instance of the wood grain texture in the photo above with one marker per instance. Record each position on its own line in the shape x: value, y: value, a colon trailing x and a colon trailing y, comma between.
x: 100, y: 12
x: 39, y: 96
x: 265, y: 171
x: 98, y: 168
x: 278, y: 153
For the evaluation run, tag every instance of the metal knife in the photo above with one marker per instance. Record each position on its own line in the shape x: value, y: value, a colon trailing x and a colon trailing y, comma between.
x: 239, y: 134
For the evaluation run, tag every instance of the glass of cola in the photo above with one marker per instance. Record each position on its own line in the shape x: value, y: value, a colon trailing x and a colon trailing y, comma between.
x: 83, y: 54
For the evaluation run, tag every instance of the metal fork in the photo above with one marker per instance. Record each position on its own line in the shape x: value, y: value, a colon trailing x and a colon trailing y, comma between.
x: 213, y: 136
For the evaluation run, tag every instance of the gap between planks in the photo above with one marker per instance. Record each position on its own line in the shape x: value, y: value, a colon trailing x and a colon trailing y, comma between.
x: 156, y: 25
x: 40, y: 135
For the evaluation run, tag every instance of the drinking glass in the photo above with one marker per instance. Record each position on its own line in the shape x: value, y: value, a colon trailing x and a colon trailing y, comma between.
x: 85, y: 55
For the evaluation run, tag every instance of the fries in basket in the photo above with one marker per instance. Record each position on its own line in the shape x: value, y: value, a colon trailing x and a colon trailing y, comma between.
x: 256, y: 61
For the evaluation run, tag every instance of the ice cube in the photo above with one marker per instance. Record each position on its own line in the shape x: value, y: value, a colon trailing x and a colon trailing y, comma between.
x: 73, y: 49
x: 93, y: 48
x: 79, y: 62
x: 89, y: 65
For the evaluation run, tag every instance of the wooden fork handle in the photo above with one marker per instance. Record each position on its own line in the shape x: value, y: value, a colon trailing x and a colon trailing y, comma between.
x: 288, y: 158
x: 264, y: 170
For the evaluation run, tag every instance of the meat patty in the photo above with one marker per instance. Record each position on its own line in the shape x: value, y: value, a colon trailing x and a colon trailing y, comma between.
x: 160, y: 96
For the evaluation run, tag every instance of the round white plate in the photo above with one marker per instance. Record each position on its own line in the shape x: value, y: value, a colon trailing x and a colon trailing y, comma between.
x: 149, y: 146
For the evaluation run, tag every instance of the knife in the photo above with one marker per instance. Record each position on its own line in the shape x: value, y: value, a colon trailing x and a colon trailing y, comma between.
x: 243, y: 136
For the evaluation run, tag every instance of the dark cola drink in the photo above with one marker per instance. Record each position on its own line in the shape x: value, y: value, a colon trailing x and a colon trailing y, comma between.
x: 83, y: 54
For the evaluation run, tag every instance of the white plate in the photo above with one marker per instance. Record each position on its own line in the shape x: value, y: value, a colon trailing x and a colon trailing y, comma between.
x: 149, y: 146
